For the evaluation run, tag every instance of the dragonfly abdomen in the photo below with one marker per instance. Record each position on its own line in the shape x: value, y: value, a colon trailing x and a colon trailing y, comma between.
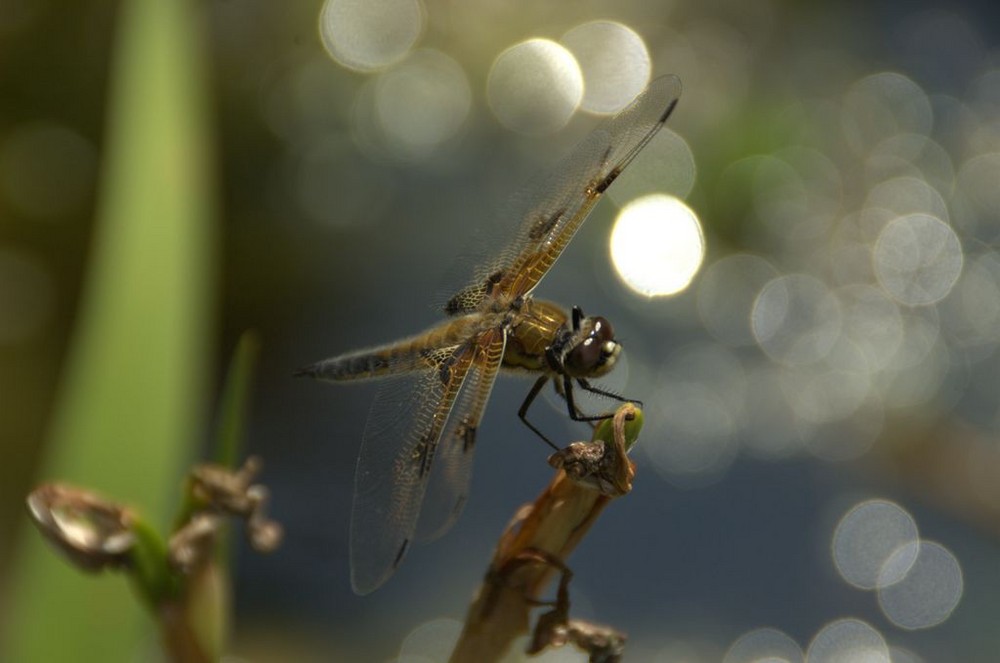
x: 355, y: 366
x: 415, y: 353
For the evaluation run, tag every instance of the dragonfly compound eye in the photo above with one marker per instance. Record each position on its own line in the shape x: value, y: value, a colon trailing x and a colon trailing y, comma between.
x: 596, y: 353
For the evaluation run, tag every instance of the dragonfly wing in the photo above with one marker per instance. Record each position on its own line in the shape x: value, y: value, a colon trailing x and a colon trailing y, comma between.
x: 400, y: 442
x: 553, y: 207
x: 449, y: 483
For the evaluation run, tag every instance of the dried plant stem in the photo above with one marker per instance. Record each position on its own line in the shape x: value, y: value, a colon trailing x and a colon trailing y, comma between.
x: 548, y: 529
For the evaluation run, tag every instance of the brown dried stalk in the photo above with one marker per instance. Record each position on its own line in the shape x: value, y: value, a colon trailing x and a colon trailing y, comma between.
x: 535, y: 546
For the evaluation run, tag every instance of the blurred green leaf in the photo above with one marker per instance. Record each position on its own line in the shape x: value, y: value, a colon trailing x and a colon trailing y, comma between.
x: 132, y: 396
x: 232, y: 414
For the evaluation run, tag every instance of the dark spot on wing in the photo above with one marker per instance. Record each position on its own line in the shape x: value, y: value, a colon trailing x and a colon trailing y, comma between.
x: 423, y: 455
x: 670, y: 109
x: 603, y: 185
x: 453, y: 305
x: 467, y: 434
x: 399, y: 555
x: 542, y: 227
x: 444, y: 373
x: 367, y: 364
x: 466, y: 299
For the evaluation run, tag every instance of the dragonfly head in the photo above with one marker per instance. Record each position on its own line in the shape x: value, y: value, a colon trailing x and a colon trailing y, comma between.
x: 594, y: 350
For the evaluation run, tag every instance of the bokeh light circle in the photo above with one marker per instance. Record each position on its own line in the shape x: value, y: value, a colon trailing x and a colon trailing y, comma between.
x: 366, y: 35
x: 977, y: 304
x: 848, y: 641
x: 764, y: 644
x: 665, y: 165
x: 421, y: 103
x: 927, y: 592
x: 918, y: 258
x: 883, y: 105
x: 873, y: 324
x: 534, y: 87
x: 901, y: 196
x: 614, y: 61
x: 657, y: 245
x: 726, y: 293
x: 433, y: 640
x: 867, y: 537
x: 796, y: 319
x: 696, y: 434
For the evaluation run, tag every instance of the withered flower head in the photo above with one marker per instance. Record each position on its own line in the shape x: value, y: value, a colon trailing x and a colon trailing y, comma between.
x: 89, y: 531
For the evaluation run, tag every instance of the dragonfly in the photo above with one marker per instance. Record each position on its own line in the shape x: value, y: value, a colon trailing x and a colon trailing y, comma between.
x: 415, y: 465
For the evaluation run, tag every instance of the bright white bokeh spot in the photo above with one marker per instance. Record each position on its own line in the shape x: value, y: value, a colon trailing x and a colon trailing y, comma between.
x: 726, y: 294
x: 665, y: 165
x: 764, y: 644
x: 929, y: 590
x: 867, y: 536
x: 918, y: 258
x: 614, y: 61
x: 367, y: 35
x: 796, y: 319
x: 884, y: 105
x: 534, y: 87
x: 433, y: 640
x: 657, y: 245
x: 848, y: 641
x: 421, y: 103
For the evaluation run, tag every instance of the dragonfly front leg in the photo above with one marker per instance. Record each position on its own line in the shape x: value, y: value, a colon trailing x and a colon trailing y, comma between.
x: 584, y: 383
x: 575, y: 413
x: 528, y: 400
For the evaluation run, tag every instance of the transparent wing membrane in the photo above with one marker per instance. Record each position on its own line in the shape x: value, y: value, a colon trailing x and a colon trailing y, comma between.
x: 552, y: 208
x: 449, y: 483
x: 401, y: 446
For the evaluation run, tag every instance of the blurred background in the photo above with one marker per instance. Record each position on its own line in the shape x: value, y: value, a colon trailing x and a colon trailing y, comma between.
x: 808, y: 291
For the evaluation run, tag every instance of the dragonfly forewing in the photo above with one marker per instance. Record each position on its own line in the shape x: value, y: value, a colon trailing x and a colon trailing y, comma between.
x: 552, y: 208
x: 402, y: 436
x: 448, y: 489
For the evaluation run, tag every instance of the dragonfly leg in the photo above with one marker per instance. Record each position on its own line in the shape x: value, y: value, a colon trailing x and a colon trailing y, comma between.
x: 585, y: 384
x: 574, y: 412
x: 528, y: 400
